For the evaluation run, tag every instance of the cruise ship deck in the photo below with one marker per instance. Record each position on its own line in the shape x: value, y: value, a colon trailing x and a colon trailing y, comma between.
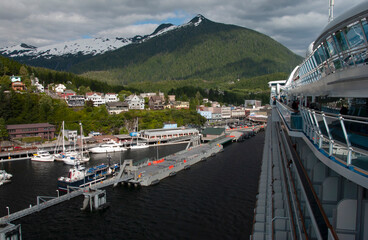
x: 314, y: 178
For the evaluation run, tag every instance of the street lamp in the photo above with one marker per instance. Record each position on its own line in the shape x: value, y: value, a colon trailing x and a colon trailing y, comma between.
x: 57, y: 192
x: 8, y: 211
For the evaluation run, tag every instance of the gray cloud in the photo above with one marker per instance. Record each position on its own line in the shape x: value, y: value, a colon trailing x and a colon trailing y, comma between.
x: 294, y: 23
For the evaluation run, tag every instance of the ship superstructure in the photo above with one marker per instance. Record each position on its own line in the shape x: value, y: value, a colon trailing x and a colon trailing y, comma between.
x: 314, y: 176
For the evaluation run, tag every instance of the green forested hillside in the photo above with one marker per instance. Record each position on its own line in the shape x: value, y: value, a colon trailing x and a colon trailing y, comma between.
x: 211, y: 52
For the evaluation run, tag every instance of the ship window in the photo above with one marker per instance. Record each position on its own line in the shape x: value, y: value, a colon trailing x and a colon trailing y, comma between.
x: 354, y: 34
x: 365, y: 28
x: 316, y: 57
x: 330, y: 46
x: 341, y: 41
x: 321, y: 54
x: 326, y: 51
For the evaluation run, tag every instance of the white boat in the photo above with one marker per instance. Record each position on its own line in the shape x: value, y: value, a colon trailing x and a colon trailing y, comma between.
x: 108, y: 147
x: 61, y: 156
x: 139, y: 145
x: 42, y: 156
x: 5, y: 177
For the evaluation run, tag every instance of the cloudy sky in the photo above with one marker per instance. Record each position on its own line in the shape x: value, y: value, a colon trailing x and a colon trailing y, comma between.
x: 294, y: 23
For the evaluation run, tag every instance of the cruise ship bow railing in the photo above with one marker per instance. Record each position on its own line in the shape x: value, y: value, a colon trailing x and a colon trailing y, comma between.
x: 342, y: 138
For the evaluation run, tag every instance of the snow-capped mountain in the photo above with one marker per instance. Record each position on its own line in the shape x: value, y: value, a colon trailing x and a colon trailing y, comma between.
x: 86, y: 47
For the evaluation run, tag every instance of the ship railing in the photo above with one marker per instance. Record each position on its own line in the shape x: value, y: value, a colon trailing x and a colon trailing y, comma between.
x: 292, y: 118
x: 342, y: 136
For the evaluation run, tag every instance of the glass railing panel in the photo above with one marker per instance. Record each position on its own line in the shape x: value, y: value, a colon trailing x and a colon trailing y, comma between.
x: 292, y: 118
x: 340, y: 152
x: 359, y: 160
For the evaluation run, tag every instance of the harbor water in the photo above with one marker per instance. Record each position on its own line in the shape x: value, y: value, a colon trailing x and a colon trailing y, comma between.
x: 214, y: 199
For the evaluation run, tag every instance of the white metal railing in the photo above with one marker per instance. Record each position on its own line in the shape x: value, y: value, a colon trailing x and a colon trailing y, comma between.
x: 341, y: 136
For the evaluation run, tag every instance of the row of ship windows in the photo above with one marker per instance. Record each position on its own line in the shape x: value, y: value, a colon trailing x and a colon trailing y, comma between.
x: 344, y: 48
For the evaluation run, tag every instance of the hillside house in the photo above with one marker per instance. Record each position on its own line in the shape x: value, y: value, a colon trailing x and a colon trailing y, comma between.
x: 135, y: 102
x: 75, y: 101
x: 15, y: 79
x: 155, y: 103
x: 117, y: 107
x: 18, y: 86
x: 60, y: 88
x: 66, y: 94
x: 181, y: 105
x: 97, y: 98
x: 111, y: 97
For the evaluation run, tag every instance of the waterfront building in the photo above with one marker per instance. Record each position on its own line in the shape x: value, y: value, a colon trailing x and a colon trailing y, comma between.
x: 209, y: 133
x: 43, y: 130
x: 166, y: 134
x: 238, y: 112
x: 170, y: 125
x: 171, y: 98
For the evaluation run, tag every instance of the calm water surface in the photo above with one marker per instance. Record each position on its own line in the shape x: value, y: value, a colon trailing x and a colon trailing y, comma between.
x: 214, y: 199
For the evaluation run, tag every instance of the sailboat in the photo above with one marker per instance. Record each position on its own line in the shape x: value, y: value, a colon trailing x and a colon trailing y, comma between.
x: 60, y: 156
x: 81, y: 157
x: 137, y: 145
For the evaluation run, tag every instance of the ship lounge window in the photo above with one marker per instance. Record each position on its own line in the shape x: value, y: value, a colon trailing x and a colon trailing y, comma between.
x: 354, y: 34
x: 321, y: 54
x: 365, y: 28
x: 316, y: 57
x: 330, y: 46
x: 341, y: 41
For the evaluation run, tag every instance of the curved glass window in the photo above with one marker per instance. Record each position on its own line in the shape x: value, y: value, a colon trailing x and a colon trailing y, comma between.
x: 321, y: 54
x: 341, y: 41
x: 365, y: 28
x: 316, y: 57
x: 354, y: 34
x: 325, y: 50
x: 330, y: 46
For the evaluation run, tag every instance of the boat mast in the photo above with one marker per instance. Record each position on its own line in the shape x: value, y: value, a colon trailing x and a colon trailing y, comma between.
x: 63, y: 138
x: 330, y: 10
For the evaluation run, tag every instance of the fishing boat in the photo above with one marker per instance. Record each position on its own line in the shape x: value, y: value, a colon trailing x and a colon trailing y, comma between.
x: 42, y: 156
x: 79, y: 176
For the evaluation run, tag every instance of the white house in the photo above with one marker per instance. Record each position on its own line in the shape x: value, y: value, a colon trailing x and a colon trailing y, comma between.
x: 60, y: 88
x: 97, y: 98
x: 135, y: 102
x: 15, y: 79
x: 111, y: 97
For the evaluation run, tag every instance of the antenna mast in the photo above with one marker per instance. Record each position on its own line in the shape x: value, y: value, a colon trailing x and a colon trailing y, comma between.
x: 330, y: 10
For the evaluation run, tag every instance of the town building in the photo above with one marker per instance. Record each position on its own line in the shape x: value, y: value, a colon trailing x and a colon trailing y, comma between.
x: 117, y: 107
x: 225, y: 112
x: 76, y: 101
x: 252, y: 103
x: 97, y: 98
x: 238, y: 112
x: 135, y: 102
x: 171, y: 98
x: 44, y: 130
x: 166, y: 134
